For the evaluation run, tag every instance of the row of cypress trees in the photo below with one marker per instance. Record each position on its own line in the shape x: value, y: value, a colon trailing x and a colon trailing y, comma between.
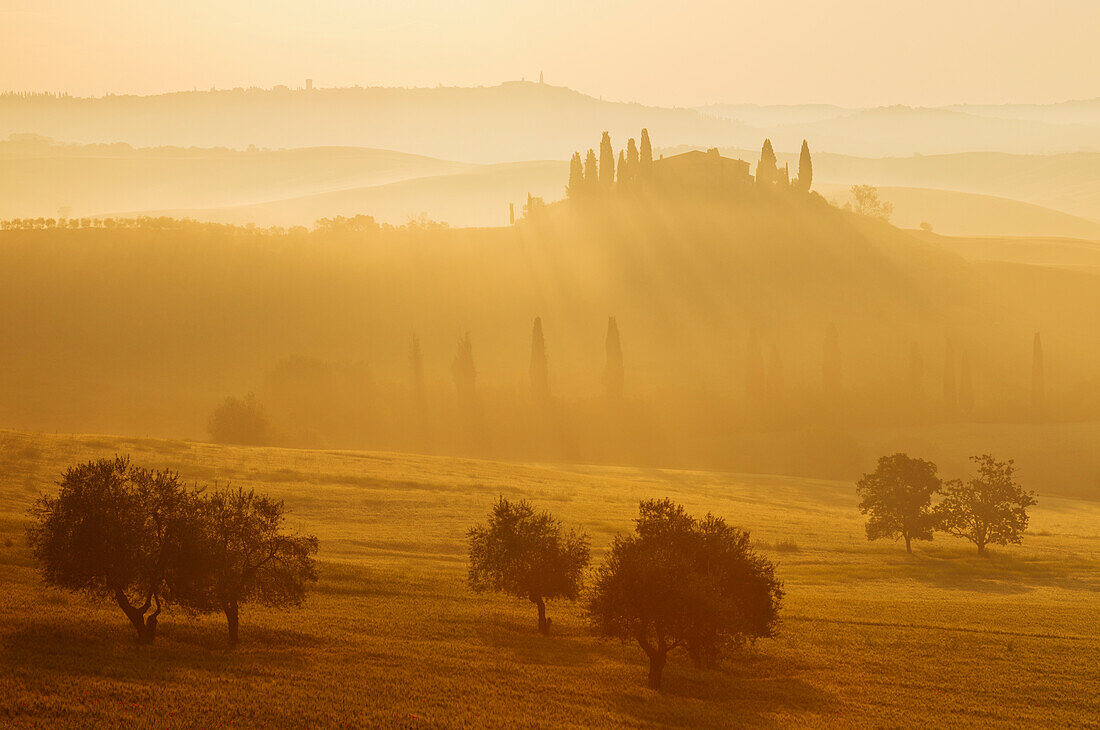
x: 595, y: 175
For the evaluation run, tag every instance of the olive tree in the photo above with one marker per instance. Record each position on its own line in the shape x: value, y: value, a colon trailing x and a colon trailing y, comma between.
x: 119, y: 532
x: 248, y: 556
x: 898, y: 497
x: 527, y: 554
x: 987, y: 509
x: 678, y: 581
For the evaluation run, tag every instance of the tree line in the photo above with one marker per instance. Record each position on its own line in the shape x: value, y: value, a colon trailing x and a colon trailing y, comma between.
x: 600, y: 173
x: 989, y: 508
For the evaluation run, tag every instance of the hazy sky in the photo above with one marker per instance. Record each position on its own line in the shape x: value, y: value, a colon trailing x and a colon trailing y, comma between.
x: 852, y: 52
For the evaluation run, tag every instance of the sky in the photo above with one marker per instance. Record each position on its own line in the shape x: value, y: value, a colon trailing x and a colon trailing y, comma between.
x: 684, y: 53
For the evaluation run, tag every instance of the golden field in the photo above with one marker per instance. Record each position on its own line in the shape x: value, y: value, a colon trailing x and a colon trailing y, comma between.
x: 392, y: 636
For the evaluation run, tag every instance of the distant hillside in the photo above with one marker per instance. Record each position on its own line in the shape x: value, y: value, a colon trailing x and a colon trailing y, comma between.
x: 900, y: 130
x: 1067, y: 182
x: 710, y: 294
x: 511, y: 122
x: 517, y: 121
x: 965, y: 214
x: 479, y: 197
x: 42, y: 178
x: 891, y: 131
x: 1078, y: 111
x: 1038, y: 251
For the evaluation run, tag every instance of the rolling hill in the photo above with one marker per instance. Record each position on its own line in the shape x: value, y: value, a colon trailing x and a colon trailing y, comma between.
x: 868, y: 636
x: 968, y: 214
x: 512, y: 122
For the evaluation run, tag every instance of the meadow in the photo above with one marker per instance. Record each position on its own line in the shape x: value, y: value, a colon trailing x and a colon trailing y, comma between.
x: 391, y: 636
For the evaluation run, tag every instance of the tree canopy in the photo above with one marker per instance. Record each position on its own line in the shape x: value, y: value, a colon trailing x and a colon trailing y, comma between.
x: 990, y: 508
x: 248, y: 556
x: 528, y: 555
x: 117, y: 531
x: 678, y: 581
x: 898, y: 496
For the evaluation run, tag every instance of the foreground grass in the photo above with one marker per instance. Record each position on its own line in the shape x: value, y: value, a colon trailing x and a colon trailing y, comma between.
x: 392, y: 636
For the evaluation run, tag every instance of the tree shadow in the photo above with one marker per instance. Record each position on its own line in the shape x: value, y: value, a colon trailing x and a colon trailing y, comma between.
x: 565, y: 646
x: 1000, y: 572
x: 45, y: 651
x: 751, y: 690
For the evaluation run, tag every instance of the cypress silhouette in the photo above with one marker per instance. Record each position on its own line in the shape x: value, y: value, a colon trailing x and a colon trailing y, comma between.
x: 830, y: 364
x: 966, y: 386
x: 416, y: 371
x: 613, y: 369
x: 754, y: 369
x: 916, y: 370
x: 465, y: 377
x: 774, y: 386
x: 805, y: 168
x: 645, y: 160
x: 631, y: 161
x: 1038, y: 386
x: 607, y: 163
x: 767, y: 171
x: 623, y: 172
x: 575, y: 189
x: 950, y: 389
x: 591, y: 172
x: 540, y: 381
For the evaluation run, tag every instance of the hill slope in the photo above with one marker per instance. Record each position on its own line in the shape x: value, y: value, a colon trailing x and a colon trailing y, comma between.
x: 868, y: 635
x: 961, y: 214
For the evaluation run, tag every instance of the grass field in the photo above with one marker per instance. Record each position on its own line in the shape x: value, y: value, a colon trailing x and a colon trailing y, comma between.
x: 392, y: 636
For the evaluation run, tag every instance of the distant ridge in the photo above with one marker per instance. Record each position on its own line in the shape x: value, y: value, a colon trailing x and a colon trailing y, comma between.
x: 520, y: 120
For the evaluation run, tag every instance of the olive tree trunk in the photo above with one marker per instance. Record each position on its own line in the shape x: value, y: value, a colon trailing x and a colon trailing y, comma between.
x: 544, y: 623
x: 232, y: 618
x: 146, y: 626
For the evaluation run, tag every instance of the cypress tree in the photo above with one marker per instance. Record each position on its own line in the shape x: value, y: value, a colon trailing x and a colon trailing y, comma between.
x: 540, y: 380
x: 950, y: 390
x: 767, y: 170
x: 575, y: 189
x: 966, y: 386
x: 774, y: 384
x: 754, y: 369
x: 805, y: 168
x: 607, y: 163
x: 1038, y: 386
x: 830, y: 363
x: 916, y: 370
x: 416, y: 367
x: 624, y: 172
x: 645, y: 160
x: 631, y: 162
x: 591, y: 172
x: 613, y: 370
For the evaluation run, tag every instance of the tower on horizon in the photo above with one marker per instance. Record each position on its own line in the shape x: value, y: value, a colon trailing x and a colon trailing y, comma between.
x: 309, y: 84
